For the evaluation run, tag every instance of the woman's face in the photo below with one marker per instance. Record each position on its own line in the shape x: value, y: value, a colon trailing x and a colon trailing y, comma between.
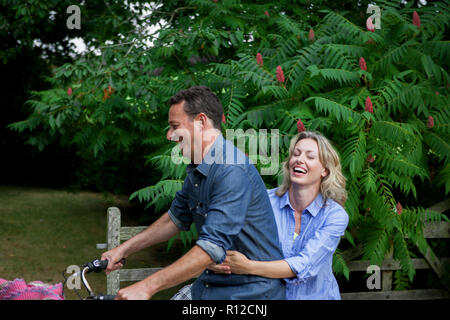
x: 305, y: 167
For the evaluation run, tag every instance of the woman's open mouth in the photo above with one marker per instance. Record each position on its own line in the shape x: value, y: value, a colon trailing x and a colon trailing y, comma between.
x: 299, y: 171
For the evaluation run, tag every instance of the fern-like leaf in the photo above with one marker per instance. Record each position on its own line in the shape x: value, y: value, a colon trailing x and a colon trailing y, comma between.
x: 354, y: 154
x: 340, y: 111
x: 339, y: 265
x: 401, y: 253
x: 439, y: 145
x: 161, y: 194
x: 376, y: 244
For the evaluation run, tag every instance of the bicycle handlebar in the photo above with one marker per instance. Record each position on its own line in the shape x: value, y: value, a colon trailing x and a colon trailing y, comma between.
x: 99, y: 265
x: 95, y: 266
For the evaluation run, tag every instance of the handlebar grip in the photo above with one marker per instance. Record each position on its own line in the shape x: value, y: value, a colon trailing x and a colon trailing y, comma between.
x: 99, y: 265
x: 103, y: 264
x: 96, y: 265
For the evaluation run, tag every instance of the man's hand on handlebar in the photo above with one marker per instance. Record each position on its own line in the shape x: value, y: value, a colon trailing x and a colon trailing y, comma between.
x: 137, y: 291
x: 116, y: 259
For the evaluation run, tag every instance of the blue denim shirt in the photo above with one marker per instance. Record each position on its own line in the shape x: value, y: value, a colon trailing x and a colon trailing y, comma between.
x: 310, y: 255
x: 227, y: 200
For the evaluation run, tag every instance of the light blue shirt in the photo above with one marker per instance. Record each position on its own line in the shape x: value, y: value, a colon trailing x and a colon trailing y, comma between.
x: 310, y: 255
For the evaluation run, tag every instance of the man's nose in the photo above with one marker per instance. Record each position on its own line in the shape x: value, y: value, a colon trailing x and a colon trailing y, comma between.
x: 169, y: 134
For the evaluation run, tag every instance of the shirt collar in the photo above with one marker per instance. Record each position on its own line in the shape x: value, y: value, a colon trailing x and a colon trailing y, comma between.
x: 209, y: 158
x: 316, y: 205
x: 284, y: 200
x: 313, y: 208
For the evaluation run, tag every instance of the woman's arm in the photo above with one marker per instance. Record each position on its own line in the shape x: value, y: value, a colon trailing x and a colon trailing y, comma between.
x: 302, y: 266
x: 237, y: 263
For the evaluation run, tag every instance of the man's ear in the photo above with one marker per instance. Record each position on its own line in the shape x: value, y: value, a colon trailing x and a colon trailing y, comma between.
x: 202, y: 118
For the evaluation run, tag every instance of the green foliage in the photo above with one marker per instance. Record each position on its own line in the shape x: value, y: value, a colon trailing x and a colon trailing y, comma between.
x: 38, y: 25
x: 401, y: 281
x: 387, y: 155
x: 339, y: 264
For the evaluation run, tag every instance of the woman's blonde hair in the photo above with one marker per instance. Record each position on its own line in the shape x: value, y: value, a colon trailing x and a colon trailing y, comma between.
x: 333, y: 185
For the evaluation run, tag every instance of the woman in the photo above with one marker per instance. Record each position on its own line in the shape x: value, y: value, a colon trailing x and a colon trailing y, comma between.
x: 308, y: 209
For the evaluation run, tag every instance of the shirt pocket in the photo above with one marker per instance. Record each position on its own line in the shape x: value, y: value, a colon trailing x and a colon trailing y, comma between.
x: 199, y: 212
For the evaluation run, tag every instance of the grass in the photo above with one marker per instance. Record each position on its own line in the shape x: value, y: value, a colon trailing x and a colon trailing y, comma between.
x: 43, y: 231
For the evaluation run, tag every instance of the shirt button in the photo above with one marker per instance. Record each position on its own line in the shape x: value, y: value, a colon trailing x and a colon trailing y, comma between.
x: 206, y: 285
x: 196, y: 185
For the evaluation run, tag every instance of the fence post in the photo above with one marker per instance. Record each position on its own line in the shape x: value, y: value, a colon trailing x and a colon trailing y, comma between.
x: 112, y: 279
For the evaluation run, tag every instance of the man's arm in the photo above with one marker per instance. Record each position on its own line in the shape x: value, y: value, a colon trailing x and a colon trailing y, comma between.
x: 185, y: 268
x: 161, y: 230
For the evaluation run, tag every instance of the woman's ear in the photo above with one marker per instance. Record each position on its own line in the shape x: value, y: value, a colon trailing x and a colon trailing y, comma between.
x: 325, y: 172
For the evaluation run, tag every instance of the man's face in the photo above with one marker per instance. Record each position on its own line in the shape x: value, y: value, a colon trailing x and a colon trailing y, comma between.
x: 185, y: 131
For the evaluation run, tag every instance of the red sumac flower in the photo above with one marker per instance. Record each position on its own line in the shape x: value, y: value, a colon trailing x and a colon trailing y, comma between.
x: 399, y: 208
x: 369, y: 107
x: 259, y: 59
x: 311, y: 35
x: 362, y: 64
x: 430, y: 123
x: 69, y: 91
x: 280, y: 74
x: 369, y: 25
x: 107, y: 92
x: 300, y: 126
x: 416, y: 19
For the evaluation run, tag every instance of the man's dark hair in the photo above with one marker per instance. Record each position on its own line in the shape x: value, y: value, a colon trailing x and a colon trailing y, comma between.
x: 200, y: 99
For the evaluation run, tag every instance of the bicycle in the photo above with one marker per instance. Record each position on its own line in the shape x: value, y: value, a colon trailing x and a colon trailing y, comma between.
x: 92, y: 266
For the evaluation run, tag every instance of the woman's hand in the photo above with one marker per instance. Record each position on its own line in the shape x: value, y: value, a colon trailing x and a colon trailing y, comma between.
x: 220, y: 268
x: 235, y: 262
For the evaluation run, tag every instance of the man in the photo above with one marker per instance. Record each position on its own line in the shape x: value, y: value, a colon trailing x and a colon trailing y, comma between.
x: 227, y: 201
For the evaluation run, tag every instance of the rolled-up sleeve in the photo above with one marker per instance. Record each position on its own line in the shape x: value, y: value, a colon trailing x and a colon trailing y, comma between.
x: 309, y: 260
x: 230, y: 198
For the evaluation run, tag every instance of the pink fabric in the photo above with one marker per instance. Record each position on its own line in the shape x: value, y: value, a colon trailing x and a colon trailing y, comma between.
x: 18, y: 289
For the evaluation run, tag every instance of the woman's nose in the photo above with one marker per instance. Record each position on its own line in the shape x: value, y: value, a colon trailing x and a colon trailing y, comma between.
x: 300, y: 159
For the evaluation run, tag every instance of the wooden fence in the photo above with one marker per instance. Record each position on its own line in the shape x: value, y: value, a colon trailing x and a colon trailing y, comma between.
x: 432, y: 230
x: 117, y: 234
